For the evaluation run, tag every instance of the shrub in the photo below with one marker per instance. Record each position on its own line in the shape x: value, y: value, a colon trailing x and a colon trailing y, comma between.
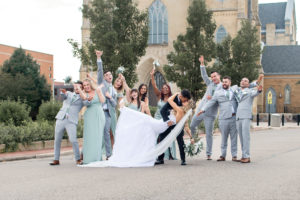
x: 48, y: 110
x: 14, y: 112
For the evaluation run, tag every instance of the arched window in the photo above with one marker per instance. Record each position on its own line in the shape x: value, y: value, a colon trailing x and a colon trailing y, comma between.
x: 287, y: 94
x: 158, y: 23
x: 221, y: 34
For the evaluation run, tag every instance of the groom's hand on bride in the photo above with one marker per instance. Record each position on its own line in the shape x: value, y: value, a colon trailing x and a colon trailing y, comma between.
x: 170, y: 123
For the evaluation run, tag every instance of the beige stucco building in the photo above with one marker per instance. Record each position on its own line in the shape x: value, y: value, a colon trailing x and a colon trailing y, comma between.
x: 168, y: 19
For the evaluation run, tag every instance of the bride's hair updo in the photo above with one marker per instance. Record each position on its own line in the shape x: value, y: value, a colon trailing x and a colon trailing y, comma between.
x: 190, y: 105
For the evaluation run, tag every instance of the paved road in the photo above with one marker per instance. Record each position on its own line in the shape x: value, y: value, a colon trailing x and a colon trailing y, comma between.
x: 273, y: 174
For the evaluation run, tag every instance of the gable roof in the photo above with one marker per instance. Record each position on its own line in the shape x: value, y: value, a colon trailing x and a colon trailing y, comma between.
x: 278, y: 60
x: 272, y: 13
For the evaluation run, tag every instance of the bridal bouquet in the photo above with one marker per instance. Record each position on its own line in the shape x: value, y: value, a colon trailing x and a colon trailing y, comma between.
x: 194, y: 149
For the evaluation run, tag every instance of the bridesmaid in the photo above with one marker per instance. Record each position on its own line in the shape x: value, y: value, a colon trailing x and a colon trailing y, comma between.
x: 143, y: 89
x: 162, y: 98
x: 94, y: 121
x: 134, y: 99
x: 119, y: 87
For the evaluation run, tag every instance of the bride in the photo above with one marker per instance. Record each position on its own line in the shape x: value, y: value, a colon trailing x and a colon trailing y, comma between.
x: 136, y: 137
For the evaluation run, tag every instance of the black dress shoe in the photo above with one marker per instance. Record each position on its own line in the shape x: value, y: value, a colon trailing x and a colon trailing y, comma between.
x: 183, y: 162
x: 159, y: 162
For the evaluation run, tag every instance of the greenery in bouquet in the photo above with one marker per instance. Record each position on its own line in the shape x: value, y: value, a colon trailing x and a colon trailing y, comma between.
x: 195, y: 148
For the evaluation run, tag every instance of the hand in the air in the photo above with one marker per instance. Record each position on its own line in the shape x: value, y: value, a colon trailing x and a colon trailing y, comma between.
x: 98, y: 53
x: 152, y: 72
x: 201, y: 60
x: 259, y: 88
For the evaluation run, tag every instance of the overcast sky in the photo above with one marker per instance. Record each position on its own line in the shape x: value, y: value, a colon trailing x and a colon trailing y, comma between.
x: 45, y: 26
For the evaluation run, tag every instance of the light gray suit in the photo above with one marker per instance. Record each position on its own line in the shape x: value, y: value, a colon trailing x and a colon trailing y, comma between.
x: 109, y: 106
x: 67, y: 119
x: 210, y: 115
x: 243, y: 116
x: 227, y: 120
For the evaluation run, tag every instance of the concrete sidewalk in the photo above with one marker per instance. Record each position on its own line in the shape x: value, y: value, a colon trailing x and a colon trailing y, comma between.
x: 23, y: 155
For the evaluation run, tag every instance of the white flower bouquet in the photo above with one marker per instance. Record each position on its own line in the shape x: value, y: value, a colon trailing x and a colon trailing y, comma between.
x: 193, y: 149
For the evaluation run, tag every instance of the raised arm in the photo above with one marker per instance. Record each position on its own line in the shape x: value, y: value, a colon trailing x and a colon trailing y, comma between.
x: 127, y: 89
x: 255, y: 92
x: 173, y: 104
x: 100, y: 94
x: 203, y: 71
x: 100, y: 76
x: 156, y: 90
x: 63, y: 93
x: 91, y: 78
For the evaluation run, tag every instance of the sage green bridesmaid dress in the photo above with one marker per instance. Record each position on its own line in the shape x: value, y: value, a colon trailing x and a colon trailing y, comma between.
x: 94, y: 121
x: 172, y: 149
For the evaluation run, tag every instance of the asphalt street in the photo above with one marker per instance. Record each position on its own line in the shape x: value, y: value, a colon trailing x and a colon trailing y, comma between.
x: 274, y: 173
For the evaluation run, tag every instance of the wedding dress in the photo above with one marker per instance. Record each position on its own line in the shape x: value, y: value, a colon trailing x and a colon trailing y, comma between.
x: 136, y: 140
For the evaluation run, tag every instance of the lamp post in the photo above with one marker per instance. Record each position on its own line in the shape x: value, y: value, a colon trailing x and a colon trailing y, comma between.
x: 53, y: 80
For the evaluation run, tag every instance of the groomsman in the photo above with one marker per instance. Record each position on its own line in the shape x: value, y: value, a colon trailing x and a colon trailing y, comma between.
x: 227, y: 103
x: 67, y: 119
x: 210, y: 114
x: 110, y: 103
x: 245, y: 97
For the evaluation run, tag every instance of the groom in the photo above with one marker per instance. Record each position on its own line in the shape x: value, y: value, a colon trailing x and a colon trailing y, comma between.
x: 184, y: 96
x: 110, y: 103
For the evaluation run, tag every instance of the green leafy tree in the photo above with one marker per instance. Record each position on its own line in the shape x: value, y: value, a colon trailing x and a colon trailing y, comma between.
x: 119, y: 29
x: 239, y: 57
x: 183, y: 67
x: 20, y: 77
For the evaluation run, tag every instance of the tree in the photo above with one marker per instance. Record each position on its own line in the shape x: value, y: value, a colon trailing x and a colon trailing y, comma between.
x: 183, y: 67
x: 119, y: 29
x: 21, y: 77
x: 239, y: 58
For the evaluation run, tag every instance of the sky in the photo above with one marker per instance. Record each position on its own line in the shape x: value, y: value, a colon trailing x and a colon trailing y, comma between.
x: 45, y: 26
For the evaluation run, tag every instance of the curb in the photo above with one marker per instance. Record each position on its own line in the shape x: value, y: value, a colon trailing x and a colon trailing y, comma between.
x: 45, y: 155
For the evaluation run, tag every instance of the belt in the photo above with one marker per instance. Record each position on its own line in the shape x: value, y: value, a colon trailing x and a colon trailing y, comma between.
x: 233, y: 114
x: 105, y: 110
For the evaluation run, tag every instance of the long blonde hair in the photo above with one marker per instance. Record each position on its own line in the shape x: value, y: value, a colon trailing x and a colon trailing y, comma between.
x: 90, y: 82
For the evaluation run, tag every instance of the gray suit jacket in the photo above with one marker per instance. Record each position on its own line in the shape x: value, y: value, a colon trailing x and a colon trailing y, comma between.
x: 225, y: 104
x: 246, y: 96
x: 111, y: 103
x: 213, y: 110
x: 71, y: 106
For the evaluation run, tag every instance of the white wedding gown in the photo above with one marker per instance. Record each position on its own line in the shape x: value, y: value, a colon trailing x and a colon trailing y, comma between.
x: 136, y: 140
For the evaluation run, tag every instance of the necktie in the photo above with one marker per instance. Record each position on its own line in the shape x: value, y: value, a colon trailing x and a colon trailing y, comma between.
x: 227, y: 94
x: 213, y: 90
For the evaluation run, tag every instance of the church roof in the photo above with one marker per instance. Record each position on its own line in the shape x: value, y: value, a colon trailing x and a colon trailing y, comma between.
x: 278, y: 60
x: 272, y: 13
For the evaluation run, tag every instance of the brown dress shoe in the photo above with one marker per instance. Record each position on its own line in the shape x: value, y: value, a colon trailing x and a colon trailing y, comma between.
x: 55, y: 162
x: 235, y: 159
x: 221, y: 158
x: 245, y: 160
x: 79, y: 162
x: 209, y: 158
